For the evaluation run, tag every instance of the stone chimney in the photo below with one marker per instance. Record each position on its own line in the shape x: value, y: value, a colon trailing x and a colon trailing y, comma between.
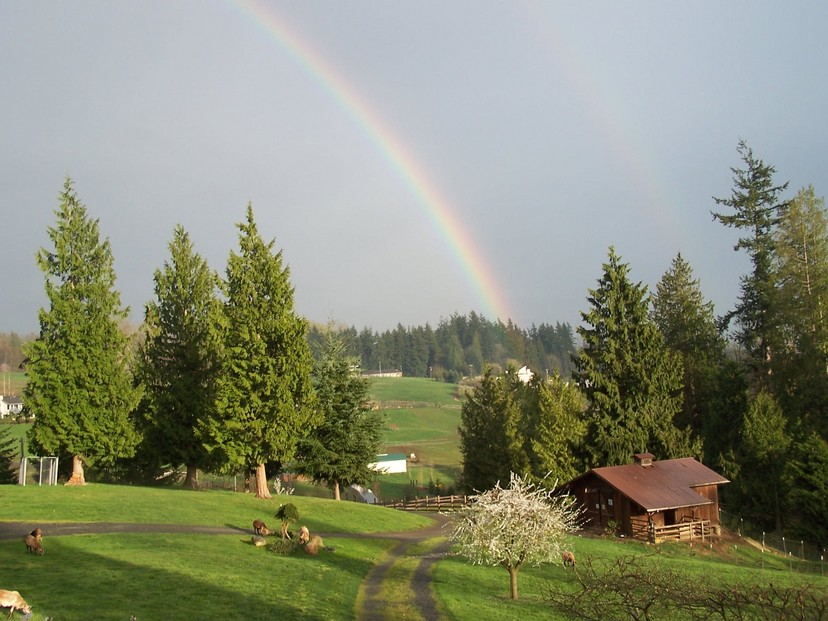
x: 644, y: 459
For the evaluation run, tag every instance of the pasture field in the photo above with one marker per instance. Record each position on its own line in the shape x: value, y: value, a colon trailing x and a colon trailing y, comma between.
x: 423, y: 421
x: 187, y: 576
x: 157, y: 576
x: 419, y: 390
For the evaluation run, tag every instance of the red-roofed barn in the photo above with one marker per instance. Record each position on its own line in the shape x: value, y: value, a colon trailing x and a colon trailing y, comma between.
x: 651, y: 500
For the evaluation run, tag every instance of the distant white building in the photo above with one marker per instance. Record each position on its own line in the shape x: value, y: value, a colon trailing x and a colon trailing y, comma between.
x: 390, y: 463
x: 525, y: 375
x: 10, y: 406
x: 364, y: 494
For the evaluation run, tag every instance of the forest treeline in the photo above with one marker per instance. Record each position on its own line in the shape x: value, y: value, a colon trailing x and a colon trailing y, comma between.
x: 460, y: 346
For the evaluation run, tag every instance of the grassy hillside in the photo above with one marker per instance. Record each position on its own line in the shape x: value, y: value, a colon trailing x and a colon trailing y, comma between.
x: 422, y: 417
x: 223, y: 577
x: 414, y: 390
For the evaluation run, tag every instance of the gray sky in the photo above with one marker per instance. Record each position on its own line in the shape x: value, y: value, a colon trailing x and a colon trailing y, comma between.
x: 411, y: 160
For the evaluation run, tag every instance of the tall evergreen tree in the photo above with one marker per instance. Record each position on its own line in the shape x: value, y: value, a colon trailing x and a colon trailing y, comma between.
x: 631, y: 380
x: 688, y: 325
x: 79, y: 385
x: 349, y: 436
x: 756, y: 211
x: 802, y: 267
x: 492, y: 442
x: 554, y: 428
x: 264, y: 401
x: 179, y: 360
x: 762, y: 454
x: 806, y: 482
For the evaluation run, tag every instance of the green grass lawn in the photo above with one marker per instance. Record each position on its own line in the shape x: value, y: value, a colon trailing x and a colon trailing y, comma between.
x: 187, y: 576
x: 224, y: 577
x: 414, y: 389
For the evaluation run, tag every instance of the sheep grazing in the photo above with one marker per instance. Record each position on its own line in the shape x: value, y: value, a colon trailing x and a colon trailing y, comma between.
x: 33, y: 545
x: 304, y: 535
x: 314, y: 545
x: 568, y: 559
x: 13, y: 600
x: 259, y: 528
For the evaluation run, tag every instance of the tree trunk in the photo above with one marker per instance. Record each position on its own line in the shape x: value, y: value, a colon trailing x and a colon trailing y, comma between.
x: 336, y: 490
x: 261, y: 482
x: 191, y: 480
x: 77, y: 477
x: 513, y: 573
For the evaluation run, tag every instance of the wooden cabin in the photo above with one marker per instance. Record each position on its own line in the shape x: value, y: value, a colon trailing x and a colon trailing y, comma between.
x: 651, y: 500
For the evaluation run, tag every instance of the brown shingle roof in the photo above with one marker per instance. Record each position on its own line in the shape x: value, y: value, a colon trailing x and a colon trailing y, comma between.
x: 666, y: 484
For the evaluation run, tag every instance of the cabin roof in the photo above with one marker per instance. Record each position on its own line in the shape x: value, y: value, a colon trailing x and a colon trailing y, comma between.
x: 659, y: 485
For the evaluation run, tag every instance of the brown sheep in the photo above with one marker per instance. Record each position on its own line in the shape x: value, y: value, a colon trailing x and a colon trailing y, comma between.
x: 314, y: 545
x: 304, y: 535
x: 259, y: 528
x: 13, y: 600
x: 568, y: 559
x: 33, y: 545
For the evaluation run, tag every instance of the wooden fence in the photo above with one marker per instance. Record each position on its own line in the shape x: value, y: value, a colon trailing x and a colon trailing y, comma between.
x: 684, y: 531
x: 430, y: 503
x: 687, y: 530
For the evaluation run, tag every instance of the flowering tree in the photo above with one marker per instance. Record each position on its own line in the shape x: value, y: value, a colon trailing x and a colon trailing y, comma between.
x: 524, y: 523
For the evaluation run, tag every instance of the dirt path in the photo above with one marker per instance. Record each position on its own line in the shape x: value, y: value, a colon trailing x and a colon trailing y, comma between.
x: 373, y: 602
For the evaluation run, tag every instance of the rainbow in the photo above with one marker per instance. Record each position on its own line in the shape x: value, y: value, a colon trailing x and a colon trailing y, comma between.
x: 436, y: 207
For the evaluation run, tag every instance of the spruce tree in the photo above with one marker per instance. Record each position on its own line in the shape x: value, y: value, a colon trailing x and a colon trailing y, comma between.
x: 265, y: 400
x: 79, y: 387
x: 179, y: 360
x: 631, y: 380
x: 349, y: 436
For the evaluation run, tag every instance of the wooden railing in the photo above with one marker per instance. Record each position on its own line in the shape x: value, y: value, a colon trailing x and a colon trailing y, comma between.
x: 683, y: 531
x: 430, y: 503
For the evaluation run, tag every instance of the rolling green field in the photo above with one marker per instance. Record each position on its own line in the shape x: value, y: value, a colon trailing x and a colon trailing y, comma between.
x: 158, y: 576
x: 423, y: 421
x: 418, y: 390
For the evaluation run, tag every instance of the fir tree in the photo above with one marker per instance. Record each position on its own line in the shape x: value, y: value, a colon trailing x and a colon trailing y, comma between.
x: 264, y: 400
x: 631, y: 380
x: 179, y: 360
x: 349, y: 436
x: 79, y: 388
x: 756, y: 211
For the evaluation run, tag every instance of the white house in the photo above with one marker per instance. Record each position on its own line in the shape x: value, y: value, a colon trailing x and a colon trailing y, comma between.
x: 364, y: 494
x: 10, y: 406
x: 389, y: 463
x: 525, y: 375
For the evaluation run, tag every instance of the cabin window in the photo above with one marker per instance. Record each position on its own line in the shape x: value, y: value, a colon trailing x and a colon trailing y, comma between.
x: 609, y: 502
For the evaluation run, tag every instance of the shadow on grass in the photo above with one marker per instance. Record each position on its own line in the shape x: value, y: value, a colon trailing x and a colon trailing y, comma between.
x: 170, y: 576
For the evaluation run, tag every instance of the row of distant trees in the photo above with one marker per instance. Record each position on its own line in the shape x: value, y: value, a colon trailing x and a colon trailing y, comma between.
x: 461, y: 346
x: 220, y: 376
x: 746, y: 392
